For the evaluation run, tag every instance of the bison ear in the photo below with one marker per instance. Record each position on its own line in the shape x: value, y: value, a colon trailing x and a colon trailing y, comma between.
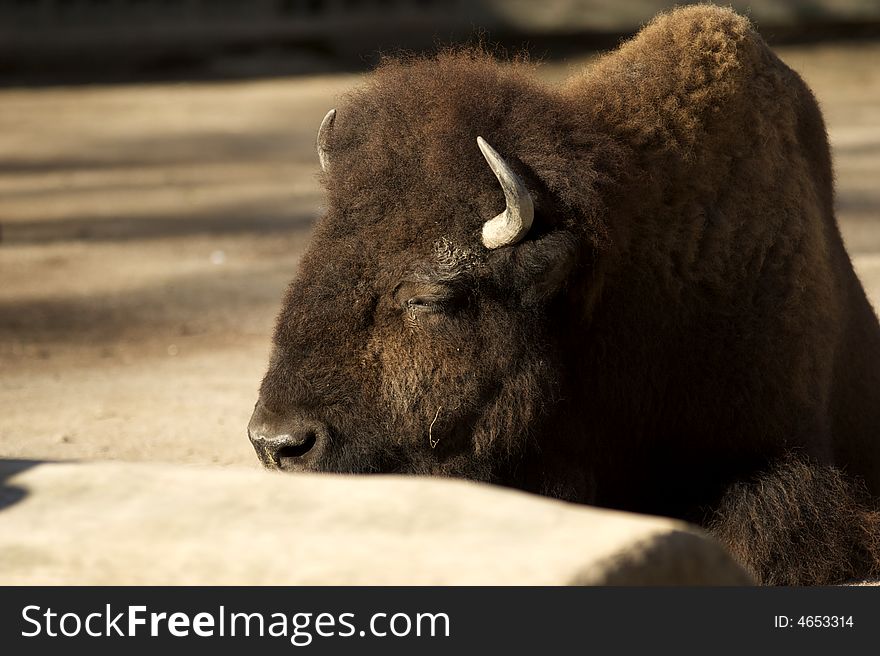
x: 538, y: 268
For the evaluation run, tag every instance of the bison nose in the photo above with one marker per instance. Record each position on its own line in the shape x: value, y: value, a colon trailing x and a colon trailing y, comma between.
x: 288, y: 444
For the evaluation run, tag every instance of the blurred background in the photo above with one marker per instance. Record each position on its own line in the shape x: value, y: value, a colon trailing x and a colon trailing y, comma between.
x: 157, y: 186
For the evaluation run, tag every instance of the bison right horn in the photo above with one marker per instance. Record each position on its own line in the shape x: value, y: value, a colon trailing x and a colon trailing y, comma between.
x: 323, y: 136
x: 514, y: 222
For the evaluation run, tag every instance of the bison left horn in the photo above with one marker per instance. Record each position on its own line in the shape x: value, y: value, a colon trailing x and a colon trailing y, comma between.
x: 323, y: 136
x: 514, y: 222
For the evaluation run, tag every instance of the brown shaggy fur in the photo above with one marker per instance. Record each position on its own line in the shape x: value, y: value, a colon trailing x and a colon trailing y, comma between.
x: 681, y: 332
x: 770, y: 522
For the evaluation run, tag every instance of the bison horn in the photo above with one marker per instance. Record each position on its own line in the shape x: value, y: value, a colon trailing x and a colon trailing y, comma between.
x: 514, y: 222
x: 323, y: 136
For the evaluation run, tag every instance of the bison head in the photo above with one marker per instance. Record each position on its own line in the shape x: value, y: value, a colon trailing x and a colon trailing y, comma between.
x: 433, y: 323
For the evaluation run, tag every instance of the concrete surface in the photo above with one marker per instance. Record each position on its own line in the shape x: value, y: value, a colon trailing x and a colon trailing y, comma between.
x: 118, y: 523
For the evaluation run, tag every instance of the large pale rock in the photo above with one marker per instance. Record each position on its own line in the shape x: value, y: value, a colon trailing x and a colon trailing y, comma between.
x: 114, y: 523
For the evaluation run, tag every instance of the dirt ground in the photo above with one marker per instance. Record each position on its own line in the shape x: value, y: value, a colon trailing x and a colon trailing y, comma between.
x: 148, y: 233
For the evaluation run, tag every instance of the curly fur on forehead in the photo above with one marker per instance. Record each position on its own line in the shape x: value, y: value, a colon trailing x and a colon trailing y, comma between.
x: 406, y: 140
x: 419, y: 118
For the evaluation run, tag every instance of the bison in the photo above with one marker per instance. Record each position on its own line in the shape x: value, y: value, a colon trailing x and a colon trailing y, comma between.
x: 629, y: 290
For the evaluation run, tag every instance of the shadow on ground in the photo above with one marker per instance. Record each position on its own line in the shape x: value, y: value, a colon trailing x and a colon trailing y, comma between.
x: 9, y: 494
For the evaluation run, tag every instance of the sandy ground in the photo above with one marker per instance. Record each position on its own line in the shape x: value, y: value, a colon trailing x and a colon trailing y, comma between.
x: 148, y: 233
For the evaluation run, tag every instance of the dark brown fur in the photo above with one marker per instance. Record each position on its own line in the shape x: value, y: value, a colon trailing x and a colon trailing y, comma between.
x: 681, y: 332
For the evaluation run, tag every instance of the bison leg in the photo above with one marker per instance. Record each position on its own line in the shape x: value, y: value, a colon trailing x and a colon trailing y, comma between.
x: 800, y: 524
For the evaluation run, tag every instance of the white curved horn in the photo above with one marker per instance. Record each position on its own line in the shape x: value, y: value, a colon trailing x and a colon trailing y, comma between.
x: 323, y: 135
x: 514, y: 222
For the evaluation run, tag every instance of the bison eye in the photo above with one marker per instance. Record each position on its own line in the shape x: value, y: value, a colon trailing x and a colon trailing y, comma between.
x: 423, y: 304
x: 426, y: 297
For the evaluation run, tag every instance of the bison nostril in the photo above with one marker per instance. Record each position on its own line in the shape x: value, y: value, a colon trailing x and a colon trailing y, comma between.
x: 297, y: 450
x: 287, y: 442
